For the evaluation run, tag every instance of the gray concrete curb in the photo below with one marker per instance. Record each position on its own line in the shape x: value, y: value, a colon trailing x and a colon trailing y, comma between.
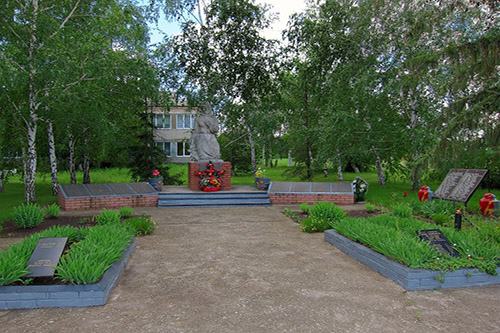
x: 62, y: 296
x: 409, y: 278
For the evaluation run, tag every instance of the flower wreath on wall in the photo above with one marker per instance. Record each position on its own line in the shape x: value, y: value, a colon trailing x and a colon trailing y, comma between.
x: 210, y: 178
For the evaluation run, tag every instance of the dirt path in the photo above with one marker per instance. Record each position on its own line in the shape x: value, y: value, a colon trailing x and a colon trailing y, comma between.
x: 253, y: 270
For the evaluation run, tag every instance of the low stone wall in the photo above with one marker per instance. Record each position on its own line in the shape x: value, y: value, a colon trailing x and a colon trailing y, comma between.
x: 62, y: 296
x: 410, y: 278
x: 310, y: 198
x: 193, y: 182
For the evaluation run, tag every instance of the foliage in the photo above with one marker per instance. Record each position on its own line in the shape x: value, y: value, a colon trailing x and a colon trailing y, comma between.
x: 290, y: 213
x: 142, y: 225
x: 402, y: 210
x: 13, y: 261
x: 87, y: 260
x: 314, y: 224
x: 370, y: 208
x: 51, y: 210
x: 126, y: 212
x: 436, y: 206
x: 304, y: 207
x: 28, y: 216
x: 108, y: 216
x: 441, y: 218
x: 327, y: 211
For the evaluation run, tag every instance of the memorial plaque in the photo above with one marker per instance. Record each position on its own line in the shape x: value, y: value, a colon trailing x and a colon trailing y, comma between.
x: 142, y: 188
x: 301, y: 187
x: 75, y: 190
x: 281, y: 187
x: 99, y: 189
x: 342, y: 188
x: 46, y: 256
x: 121, y: 189
x: 436, y: 238
x: 321, y: 187
x: 460, y: 184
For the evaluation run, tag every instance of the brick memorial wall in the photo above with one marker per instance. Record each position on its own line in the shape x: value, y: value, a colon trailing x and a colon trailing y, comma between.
x: 293, y: 193
x: 193, y: 167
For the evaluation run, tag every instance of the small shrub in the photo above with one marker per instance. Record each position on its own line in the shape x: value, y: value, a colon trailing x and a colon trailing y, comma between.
x: 142, y: 225
x: 304, y: 208
x: 52, y: 210
x: 311, y: 224
x: 126, y: 212
x: 370, y: 208
x: 108, y: 216
x: 402, y: 211
x: 327, y: 211
x: 28, y: 216
x: 440, y: 218
x: 289, y: 213
x: 436, y: 206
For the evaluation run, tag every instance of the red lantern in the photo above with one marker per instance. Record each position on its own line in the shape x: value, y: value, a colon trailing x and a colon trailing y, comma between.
x: 487, y: 204
x: 423, y: 193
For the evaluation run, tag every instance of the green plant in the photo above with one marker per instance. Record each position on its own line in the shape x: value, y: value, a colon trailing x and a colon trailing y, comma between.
x: 436, y: 206
x: 312, y: 224
x: 142, y: 225
x: 290, y: 213
x: 304, y: 207
x: 108, y: 216
x: 370, y: 208
x: 27, y: 216
x: 126, y: 212
x: 441, y: 218
x: 402, y: 210
x: 327, y: 211
x: 51, y: 210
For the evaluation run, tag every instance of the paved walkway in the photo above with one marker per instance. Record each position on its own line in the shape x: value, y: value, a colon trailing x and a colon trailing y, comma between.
x: 253, y: 270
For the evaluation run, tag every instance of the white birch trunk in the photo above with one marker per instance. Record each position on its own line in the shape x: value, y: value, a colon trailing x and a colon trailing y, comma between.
x: 71, y: 158
x: 1, y: 183
x: 325, y: 169
x: 263, y: 158
x: 289, y: 158
x: 340, y: 175
x: 380, y: 171
x: 52, y: 158
x: 252, y: 151
x: 86, y: 162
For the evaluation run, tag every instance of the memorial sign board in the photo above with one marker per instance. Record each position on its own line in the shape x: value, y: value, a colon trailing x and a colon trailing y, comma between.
x: 460, y: 184
x: 46, y: 256
x: 436, y: 238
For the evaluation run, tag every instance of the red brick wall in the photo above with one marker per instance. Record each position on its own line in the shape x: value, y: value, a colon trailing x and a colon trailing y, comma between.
x: 193, y: 183
x: 310, y: 198
x: 86, y: 203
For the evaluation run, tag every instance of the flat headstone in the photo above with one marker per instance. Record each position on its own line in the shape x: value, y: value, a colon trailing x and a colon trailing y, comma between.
x: 46, y: 256
x: 342, y: 188
x: 75, y: 190
x: 321, y: 187
x: 460, y: 184
x: 436, y: 238
x: 99, y: 189
x: 121, y: 189
x: 142, y: 188
x: 301, y: 187
x: 281, y: 187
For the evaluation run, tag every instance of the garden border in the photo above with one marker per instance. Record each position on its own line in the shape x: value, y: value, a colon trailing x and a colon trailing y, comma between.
x: 62, y: 296
x: 410, y: 278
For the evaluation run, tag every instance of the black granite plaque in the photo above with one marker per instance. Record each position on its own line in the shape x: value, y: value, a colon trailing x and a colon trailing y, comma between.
x: 142, y: 188
x: 121, y: 189
x: 46, y: 256
x: 75, y: 190
x: 436, y: 238
x: 342, y: 188
x: 460, y: 184
x: 99, y: 189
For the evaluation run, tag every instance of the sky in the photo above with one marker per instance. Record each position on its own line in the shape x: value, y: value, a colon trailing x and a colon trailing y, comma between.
x: 284, y: 8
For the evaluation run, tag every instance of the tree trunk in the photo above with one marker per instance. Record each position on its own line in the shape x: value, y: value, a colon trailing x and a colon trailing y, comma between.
x: 325, y: 170
x: 71, y: 159
x: 1, y: 183
x: 380, y: 171
x: 340, y: 175
x: 263, y: 160
x: 415, y: 174
x: 86, y: 161
x: 356, y: 169
x: 270, y: 156
x: 252, y: 151
x: 289, y: 158
x: 52, y: 158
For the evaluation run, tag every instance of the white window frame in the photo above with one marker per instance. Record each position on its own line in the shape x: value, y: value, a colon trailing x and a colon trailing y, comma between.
x: 160, y: 124
x: 162, y: 145
x: 181, y: 121
x: 184, y: 143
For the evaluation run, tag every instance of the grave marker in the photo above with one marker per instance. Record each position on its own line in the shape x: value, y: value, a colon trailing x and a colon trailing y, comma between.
x: 46, y: 256
x: 460, y: 184
x: 436, y: 238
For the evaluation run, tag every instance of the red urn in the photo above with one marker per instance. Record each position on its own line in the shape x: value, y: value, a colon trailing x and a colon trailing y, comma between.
x: 487, y: 204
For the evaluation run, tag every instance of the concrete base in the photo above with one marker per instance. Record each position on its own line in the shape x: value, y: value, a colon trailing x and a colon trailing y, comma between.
x: 63, y: 296
x: 409, y: 278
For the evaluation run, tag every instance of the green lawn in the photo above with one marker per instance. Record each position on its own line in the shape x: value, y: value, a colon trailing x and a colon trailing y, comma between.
x: 380, y: 195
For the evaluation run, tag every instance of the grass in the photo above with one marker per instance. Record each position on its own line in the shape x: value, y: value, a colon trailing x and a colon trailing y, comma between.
x: 388, y: 195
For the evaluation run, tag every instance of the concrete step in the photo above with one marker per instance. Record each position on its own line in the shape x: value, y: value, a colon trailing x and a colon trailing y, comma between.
x: 213, y: 199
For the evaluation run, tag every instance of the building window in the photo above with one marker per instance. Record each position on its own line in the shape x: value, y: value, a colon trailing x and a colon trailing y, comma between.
x: 185, y: 121
x: 183, y: 149
x: 161, y: 121
x: 165, y: 146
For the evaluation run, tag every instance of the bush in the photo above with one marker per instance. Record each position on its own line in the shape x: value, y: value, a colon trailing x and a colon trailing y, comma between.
x: 430, y: 208
x: 441, y: 218
x: 141, y: 225
x: 370, y: 208
x: 126, y: 212
x: 402, y: 210
x: 312, y: 224
x: 108, y: 216
x: 327, y: 211
x: 51, y: 211
x: 304, y: 207
x: 28, y: 216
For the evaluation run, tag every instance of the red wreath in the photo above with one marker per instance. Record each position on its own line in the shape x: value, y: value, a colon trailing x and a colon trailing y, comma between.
x: 209, y: 178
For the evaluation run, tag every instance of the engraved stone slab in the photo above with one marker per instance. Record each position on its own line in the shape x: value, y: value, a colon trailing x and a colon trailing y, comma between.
x: 75, y: 190
x: 436, y: 238
x: 142, y: 188
x: 46, y: 256
x: 280, y: 187
x: 121, y: 189
x: 342, y: 187
x: 99, y: 189
x: 301, y: 187
x: 460, y: 184
x: 321, y: 187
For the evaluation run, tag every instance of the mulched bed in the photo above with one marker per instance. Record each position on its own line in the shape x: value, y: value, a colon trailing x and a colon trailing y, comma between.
x: 10, y: 230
